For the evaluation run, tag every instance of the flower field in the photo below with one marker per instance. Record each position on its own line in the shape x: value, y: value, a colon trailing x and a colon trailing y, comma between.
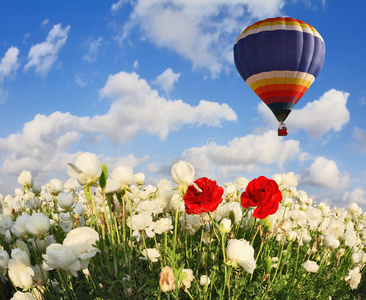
x: 111, y: 236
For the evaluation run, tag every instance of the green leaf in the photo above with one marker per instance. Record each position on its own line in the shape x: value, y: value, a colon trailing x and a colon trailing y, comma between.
x: 103, y: 178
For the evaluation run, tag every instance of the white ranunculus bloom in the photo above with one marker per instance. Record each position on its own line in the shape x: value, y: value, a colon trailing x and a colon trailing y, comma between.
x: 87, y: 169
x: 354, y: 278
x: 331, y: 241
x: 4, y: 259
x: 121, y: 178
x: 139, y: 178
x: 54, y: 186
x: 163, y: 225
x: 336, y: 228
x: 20, y: 270
x: 141, y: 222
x: 65, y: 201
x: 80, y: 240
x: 22, y: 296
x: 188, y: 277
x: 151, y: 207
x: 205, y: 280
x: 350, y: 238
x: 38, y: 224
x: 183, y: 174
x: 19, y: 226
x: 150, y: 254
x: 36, y: 188
x: 242, y: 253
x: 25, y: 179
x: 61, y: 257
x: 70, y: 185
x: 33, y: 203
x: 352, y: 207
x: 224, y: 209
x: 6, y: 223
x: 310, y: 266
x: 241, y: 183
x: 190, y: 224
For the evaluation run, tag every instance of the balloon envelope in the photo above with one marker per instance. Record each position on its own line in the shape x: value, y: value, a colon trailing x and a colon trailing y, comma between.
x: 279, y: 58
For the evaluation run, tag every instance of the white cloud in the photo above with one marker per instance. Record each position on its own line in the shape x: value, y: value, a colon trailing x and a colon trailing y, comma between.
x: 360, y: 136
x: 3, y: 95
x: 45, y: 22
x: 93, y: 49
x: 42, y: 56
x: 358, y: 195
x: 137, y: 107
x: 9, y: 63
x: 135, y: 64
x: 167, y: 79
x: 317, y: 117
x: 116, y: 6
x: 324, y: 173
x: 250, y: 153
x: 79, y: 81
x: 43, y: 144
x: 193, y: 29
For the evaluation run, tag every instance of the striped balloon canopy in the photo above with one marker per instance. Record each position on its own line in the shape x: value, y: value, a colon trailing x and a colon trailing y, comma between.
x: 279, y: 58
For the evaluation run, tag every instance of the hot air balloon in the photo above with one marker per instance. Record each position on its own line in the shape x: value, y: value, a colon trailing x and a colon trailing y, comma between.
x: 279, y: 58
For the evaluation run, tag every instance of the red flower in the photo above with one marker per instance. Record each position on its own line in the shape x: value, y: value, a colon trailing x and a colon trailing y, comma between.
x: 264, y: 194
x: 203, y: 197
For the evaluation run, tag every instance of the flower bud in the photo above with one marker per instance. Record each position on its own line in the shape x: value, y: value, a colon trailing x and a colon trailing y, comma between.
x: 225, y: 226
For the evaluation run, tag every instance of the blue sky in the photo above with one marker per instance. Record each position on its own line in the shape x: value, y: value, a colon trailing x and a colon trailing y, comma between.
x: 148, y: 82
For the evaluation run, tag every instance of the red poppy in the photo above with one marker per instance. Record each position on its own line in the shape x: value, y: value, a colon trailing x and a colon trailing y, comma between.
x: 264, y: 194
x: 203, y: 196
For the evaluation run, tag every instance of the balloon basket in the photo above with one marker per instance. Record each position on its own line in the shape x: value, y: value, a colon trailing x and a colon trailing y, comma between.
x: 282, y: 132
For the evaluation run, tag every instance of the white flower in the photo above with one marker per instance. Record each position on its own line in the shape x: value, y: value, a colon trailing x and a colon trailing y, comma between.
x: 186, y: 277
x: 139, y: 178
x: 241, y: 183
x: 33, y: 203
x: 65, y: 201
x: 141, y: 222
x: 354, y: 278
x: 87, y: 169
x: 205, y: 280
x: 70, y: 185
x: 224, y: 210
x: 225, y: 226
x: 22, y: 296
x: 163, y: 225
x: 183, y: 174
x: 20, y: 270
x: 38, y: 224
x: 54, y: 186
x: 80, y: 240
x: 190, y: 224
x: 25, y: 179
x: 61, y: 257
x: 310, y: 266
x: 19, y: 226
x: 350, y: 238
x: 331, y: 241
x: 4, y: 259
x: 166, y: 279
x: 242, y: 253
x: 6, y: 223
x: 150, y: 254
x: 36, y: 188
x: 352, y: 207
x: 121, y: 178
x: 151, y: 207
x: 336, y: 228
